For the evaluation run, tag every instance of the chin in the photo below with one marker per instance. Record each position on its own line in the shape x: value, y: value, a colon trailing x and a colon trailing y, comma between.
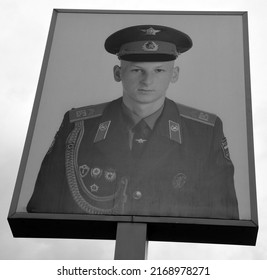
x: 146, y: 100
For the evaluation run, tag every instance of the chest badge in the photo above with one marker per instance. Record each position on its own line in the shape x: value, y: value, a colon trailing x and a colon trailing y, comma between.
x: 96, y: 172
x: 179, y: 180
x: 110, y: 174
x: 140, y: 141
x: 94, y: 188
x: 84, y: 169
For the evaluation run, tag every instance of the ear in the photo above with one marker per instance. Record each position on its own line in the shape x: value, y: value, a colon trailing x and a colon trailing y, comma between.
x: 117, y: 73
x: 175, y: 74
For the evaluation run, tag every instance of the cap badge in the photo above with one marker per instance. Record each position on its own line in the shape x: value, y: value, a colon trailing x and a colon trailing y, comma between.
x: 150, y: 31
x: 150, y: 46
x: 179, y: 180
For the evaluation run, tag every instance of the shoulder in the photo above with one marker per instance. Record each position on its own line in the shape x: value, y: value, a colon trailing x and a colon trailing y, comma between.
x: 87, y: 112
x: 197, y: 115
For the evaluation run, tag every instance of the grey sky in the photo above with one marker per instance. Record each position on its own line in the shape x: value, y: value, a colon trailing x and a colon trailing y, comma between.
x: 25, y: 27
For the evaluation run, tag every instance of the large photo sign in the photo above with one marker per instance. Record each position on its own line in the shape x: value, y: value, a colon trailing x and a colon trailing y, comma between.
x: 141, y: 117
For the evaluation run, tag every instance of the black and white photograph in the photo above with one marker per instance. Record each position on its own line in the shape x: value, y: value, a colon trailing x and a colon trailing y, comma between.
x: 140, y: 116
x: 141, y: 154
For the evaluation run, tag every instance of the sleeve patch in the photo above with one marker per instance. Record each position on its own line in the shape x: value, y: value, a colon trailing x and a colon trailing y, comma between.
x: 225, y: 148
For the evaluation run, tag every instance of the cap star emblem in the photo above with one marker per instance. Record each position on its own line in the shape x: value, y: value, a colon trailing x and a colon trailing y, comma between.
x: 150, y: 31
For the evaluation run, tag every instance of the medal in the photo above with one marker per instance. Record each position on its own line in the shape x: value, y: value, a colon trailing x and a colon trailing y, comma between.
x: 96, y: 172
x: 110, y: 175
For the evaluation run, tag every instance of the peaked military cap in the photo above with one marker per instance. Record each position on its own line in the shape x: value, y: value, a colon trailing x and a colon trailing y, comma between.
x: 148, y: 43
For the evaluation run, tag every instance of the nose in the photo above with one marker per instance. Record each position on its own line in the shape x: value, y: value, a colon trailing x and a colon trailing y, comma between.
x: 147, y: 78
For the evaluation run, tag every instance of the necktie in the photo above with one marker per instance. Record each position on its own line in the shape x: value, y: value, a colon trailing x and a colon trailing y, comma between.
x: 141, y: 134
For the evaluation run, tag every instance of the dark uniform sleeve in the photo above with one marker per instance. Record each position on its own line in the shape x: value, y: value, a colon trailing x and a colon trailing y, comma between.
x: 219, y: 177
x: 50, y: 192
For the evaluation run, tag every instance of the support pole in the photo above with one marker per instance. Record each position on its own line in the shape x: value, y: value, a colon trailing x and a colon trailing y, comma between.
x: 131, y: 241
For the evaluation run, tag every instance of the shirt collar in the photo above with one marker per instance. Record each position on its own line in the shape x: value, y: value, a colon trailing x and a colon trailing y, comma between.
x: 133, y: 119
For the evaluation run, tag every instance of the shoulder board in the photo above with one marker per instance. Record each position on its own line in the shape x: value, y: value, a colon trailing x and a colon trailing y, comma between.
x: 196, y: 115
x: 87, y: 112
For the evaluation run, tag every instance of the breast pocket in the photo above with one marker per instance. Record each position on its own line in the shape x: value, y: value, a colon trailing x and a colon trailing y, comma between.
x: 176, y: 187
x: 180, y: 174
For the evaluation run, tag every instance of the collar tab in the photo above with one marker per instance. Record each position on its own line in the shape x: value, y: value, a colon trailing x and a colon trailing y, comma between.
x: 175, y: 132
x: 102, y: 131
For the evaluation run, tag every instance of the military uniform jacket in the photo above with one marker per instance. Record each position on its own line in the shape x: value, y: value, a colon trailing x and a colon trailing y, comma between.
x: 184, y: 171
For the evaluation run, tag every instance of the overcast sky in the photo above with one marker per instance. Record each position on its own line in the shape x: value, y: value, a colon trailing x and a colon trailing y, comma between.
x: 23, y: 37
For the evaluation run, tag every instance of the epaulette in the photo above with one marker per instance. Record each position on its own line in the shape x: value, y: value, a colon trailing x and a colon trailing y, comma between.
x: 196, y: 115
x: 87, y: 112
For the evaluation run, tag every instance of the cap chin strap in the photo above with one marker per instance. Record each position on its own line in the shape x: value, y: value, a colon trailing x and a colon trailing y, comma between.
x: 148, y: 48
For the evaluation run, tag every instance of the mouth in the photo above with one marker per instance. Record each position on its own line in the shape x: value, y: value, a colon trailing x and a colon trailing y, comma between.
x: 145, y: 90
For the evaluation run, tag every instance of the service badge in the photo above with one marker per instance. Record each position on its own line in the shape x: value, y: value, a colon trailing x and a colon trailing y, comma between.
x: 179, y: 180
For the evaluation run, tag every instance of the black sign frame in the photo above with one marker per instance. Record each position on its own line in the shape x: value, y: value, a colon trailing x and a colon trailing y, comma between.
x: 243, y: 232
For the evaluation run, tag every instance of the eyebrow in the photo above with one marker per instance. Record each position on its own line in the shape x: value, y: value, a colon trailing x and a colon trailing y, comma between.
x: 156, y: 66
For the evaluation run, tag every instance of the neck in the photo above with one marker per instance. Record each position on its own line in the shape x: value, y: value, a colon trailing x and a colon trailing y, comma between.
x: 143, y: 109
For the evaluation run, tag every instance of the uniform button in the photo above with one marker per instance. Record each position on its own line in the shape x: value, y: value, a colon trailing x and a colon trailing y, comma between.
x: 137, y: 195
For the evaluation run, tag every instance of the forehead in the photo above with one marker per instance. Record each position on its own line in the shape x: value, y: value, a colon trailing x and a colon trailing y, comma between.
x: 147, y: 65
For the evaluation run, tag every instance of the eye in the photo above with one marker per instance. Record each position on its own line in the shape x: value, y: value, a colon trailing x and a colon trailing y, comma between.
x: 159, y: 70
x: 136, y: 70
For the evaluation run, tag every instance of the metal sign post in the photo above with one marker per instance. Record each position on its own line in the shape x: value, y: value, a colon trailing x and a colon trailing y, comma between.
x: 131, y: 241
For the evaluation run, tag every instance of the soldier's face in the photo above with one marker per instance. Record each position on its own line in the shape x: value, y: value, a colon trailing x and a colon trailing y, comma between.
x: 145, y: 82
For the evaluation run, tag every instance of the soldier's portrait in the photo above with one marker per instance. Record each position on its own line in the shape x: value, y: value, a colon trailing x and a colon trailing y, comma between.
x: 141, y: 115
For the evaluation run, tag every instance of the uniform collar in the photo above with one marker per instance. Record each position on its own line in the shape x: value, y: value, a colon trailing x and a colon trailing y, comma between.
x: 167, y: 124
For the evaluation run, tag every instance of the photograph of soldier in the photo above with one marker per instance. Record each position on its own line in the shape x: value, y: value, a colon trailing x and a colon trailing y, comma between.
x: 141, y: 154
